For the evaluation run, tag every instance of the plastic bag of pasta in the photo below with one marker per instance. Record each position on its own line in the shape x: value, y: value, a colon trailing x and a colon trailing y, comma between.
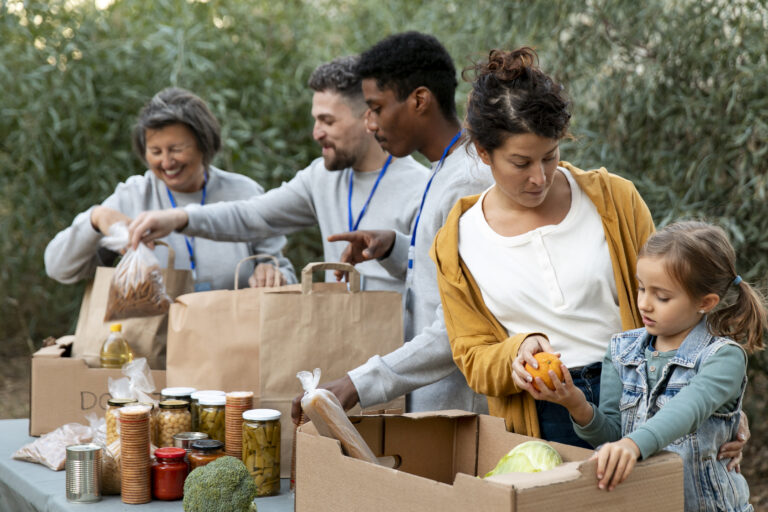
x: 137, y: 287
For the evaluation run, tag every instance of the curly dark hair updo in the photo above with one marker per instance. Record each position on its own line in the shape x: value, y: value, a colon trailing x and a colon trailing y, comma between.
x: 511, y: 95
x: 403, y: 62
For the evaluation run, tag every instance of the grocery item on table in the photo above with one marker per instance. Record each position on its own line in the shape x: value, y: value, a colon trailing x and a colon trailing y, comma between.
x: 261, y: 449
x: 168, y: 473
x: 194, y: 405
x: 83, y: 467
x: 224, y: 484
x: 111, y: 418
x: 212, y: 416
x: 152, y: 421
x: 135, y: 481
x: 204, y: 452
x: 324, y: 410
x: 115, y: 351
x: 172, y: 418
x: 528, y: 457
x: 237, y: 403
x: 178, y: 393
x: 185, y: 439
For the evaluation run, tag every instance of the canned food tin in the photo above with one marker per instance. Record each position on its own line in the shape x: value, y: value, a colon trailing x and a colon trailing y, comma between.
x: 83, y: 467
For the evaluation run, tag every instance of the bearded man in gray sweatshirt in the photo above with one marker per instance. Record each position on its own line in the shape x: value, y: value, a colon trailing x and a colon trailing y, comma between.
x: 355, y: 185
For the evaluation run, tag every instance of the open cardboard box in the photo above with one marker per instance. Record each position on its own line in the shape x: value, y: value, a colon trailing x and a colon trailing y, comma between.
x: 441, y: 454
x: 64, y: 389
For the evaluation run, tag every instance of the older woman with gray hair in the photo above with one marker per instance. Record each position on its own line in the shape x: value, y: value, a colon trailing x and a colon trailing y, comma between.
x: 177, y: 136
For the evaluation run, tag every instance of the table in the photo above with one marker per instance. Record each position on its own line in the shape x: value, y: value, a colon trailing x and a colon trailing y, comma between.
x: 29, y: 487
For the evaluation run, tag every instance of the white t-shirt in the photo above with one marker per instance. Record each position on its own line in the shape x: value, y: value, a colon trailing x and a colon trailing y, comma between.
x: 556, y: 279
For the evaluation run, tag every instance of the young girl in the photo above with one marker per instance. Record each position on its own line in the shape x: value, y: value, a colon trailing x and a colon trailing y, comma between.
x: 678, y: 383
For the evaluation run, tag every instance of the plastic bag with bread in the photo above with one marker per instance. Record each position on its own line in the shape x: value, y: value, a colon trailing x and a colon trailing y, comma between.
x: 324, y: 410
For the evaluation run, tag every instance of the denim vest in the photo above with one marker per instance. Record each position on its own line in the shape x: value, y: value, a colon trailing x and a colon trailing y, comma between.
x: 709, y: 486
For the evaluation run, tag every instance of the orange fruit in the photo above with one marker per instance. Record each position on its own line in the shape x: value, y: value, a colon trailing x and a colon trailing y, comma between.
x: 547, y: 362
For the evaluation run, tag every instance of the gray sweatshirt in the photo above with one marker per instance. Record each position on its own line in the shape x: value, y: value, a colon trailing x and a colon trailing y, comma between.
x: 424, y: 365
x: 73, y: 253
x: 317, y: 196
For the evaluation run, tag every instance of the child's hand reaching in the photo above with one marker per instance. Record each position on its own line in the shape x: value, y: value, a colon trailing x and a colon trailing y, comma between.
x: 565, y: 394
x: 615, y: 461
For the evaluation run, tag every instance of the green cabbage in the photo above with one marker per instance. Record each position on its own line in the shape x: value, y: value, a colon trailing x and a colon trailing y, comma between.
x: 528, y: 457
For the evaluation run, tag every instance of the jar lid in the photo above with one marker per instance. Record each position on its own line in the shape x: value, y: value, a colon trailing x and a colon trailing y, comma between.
x: 197, y: 394
x: 177, y: 391
x: 170, y: 452
x: 207, y: 445
x: 174, y: 404
x: 151, y: 405
x: 261, y: 415
x: 119, y: 402
x: 212, y: 400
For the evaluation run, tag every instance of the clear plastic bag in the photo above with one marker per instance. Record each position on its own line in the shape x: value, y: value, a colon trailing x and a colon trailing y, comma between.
x: 137, y: 383
x: 137, y: 287
x: 50, y: 449
x: 328, y: 416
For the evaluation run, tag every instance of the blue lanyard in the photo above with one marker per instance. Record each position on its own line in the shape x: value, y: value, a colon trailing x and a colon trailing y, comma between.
x: 353, y: 225
x: 188, y: 240
x: 424, y: 197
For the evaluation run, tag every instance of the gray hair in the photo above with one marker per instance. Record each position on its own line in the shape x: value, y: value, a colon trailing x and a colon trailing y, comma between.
x: 340, y: 76
x: 178, y: 106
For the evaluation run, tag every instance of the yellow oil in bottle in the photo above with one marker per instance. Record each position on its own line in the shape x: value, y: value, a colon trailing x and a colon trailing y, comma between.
x: 115, y: 351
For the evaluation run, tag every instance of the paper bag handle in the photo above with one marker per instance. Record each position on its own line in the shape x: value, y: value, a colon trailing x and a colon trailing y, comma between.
x: 253, y: 257
x: 171, y: 254
x: 306, y: 274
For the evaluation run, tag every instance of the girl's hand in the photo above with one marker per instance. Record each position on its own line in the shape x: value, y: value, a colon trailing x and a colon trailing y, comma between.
x: 567, y: 394
x: 615, y: 461
x: 531, y: 345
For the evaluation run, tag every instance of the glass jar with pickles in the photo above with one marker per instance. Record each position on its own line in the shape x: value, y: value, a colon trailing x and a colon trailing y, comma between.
x: 211, y: 416
x: 111, y: 418
x: 205, y: 451
x: 261, y: 449
x: 172, y: 417
x: 194, y: 405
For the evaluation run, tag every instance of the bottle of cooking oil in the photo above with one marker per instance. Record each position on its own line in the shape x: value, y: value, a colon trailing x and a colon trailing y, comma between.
x: 115, y: 351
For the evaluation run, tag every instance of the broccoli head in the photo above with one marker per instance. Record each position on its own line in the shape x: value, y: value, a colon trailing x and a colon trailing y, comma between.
x: 224, y: 485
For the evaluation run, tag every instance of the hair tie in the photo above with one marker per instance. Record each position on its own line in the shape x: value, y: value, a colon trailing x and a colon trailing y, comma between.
x: 737, y: 281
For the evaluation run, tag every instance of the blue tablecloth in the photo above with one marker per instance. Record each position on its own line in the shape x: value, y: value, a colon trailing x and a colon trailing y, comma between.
x: 25, y: 486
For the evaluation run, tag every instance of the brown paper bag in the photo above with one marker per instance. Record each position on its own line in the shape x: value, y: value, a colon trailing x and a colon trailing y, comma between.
x: 146, y: 336
x: 257, y: 339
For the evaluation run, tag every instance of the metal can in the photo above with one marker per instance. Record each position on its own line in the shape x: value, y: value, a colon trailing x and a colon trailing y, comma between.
x: 261, y: 449
x: 83, y: 467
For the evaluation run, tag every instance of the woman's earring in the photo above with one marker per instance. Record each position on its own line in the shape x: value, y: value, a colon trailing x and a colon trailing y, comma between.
x: 701, y: 311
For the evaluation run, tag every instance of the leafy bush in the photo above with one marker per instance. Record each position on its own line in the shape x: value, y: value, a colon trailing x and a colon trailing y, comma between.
x: 670, y: 94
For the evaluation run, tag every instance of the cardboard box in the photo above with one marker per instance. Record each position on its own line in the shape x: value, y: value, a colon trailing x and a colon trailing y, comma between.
x: 64, y: 389
x: 440, y: 456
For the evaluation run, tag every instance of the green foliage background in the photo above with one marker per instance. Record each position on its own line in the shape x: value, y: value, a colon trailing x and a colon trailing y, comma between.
x: 671, y: 94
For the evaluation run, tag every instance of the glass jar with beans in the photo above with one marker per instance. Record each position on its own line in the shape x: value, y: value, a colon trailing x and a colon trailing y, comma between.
x: 173, y: 417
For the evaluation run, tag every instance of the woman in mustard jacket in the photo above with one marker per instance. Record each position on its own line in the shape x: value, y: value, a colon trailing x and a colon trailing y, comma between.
x: 544, y: 260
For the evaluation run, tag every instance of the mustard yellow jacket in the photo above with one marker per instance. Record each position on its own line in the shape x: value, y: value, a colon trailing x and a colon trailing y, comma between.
x: 480, y: 345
